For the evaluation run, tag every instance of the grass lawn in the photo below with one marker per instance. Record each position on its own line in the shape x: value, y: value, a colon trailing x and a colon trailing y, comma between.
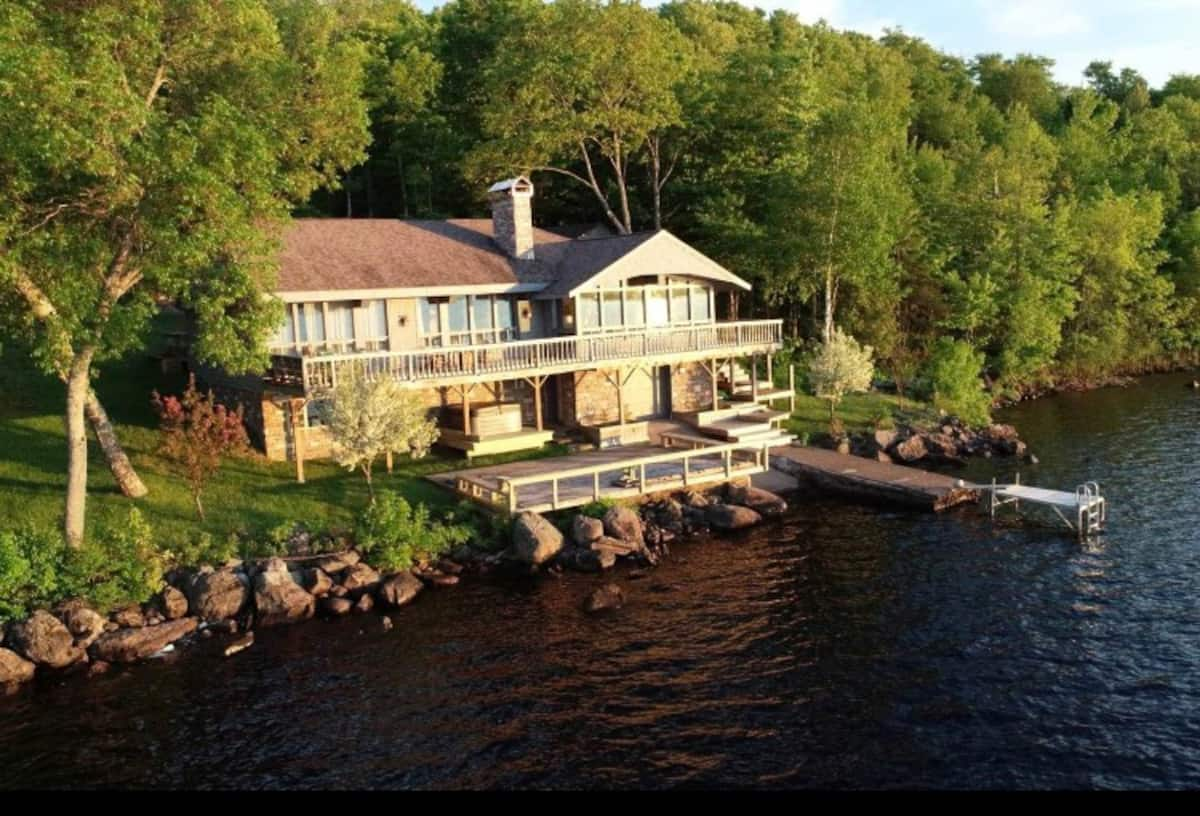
x: 858, y: 412
x: 249, y: 495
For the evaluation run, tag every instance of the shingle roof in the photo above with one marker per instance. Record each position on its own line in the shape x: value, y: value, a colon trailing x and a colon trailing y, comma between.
x: 372, y: 254
x: 328, y: 254
x: 587, y: 256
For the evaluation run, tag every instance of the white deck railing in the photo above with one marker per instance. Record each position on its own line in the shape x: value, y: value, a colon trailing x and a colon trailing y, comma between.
x: 500, y: 360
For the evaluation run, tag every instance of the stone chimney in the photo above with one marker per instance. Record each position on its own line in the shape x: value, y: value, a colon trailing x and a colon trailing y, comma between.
x: 512, y: 216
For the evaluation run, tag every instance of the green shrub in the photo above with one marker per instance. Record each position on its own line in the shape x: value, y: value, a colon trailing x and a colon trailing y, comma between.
x: 952, y: 381
x: 393, y: 535
x: 598, y: 508
x: 117, y: 564
x: 30, y: 564
x: 201, y: 549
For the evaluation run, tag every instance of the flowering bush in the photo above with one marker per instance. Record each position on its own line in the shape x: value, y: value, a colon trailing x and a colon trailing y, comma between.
x: 196, y: 433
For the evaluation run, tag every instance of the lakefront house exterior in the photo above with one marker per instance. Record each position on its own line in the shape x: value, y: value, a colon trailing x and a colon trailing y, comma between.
x: 510, y: 333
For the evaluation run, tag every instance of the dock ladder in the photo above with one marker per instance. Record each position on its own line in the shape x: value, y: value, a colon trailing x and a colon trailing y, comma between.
x: 1086, y: 504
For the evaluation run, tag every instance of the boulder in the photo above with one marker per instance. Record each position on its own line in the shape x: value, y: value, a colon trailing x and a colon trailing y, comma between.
x: 217, y: 595
x: 338, y: 591
x: 941, y: 444
x: 732, y: 516
x: 45, y: 640
x: 316, y: 581
x: 130, y: 645
x: 694, y: 498
x: 614, y: 546
x: 399, y: 589
x: 336, y: 606
x: 668, y: 514
x: 240, y: 645
x: 279, y: 599
x: 339, y: 561
x: 129, y: 617
x: 439, y: 579
x: 14, y: 668
x: 763, y: 502
x: 448, y: 567
x: 173, y: 603
x: 623, y: 523
x: 535, y: 540
x: 882, y: 456
x: 360, y: 579
x: 843, y: 446
x: 608, y: 596
x: 585, y: 529
x: 883, y: 439
x: 910, y: 450
x: 385, y: 623
x: 583, y: 559
x: 84, y: 623
x: 365, y: 603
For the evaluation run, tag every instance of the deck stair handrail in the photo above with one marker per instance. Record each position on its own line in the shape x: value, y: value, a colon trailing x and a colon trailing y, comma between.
x: 511, y: 485
x: 445, y: 363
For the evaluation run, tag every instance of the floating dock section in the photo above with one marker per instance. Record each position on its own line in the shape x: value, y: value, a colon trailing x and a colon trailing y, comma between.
x: 869, y: 479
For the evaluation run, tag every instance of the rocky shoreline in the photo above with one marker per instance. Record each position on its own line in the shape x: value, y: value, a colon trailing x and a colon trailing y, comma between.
x: 950, y: 443
x: 237, y: 598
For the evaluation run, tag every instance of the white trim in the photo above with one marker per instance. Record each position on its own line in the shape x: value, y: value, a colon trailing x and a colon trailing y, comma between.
x: 711, y: 270
x: 411, y: 291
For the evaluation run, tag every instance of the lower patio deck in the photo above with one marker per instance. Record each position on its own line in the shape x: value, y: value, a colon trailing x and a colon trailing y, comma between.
x: 627, y: 471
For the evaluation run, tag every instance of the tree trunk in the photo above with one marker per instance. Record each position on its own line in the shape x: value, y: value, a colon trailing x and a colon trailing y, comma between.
x: 366, y: 469
x: 829, y: 296
x: 118, y: 462
x: 199, y: 505
x: 78, y: 386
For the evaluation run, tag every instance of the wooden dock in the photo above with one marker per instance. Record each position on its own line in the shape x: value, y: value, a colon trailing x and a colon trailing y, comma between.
x: 867, y: 478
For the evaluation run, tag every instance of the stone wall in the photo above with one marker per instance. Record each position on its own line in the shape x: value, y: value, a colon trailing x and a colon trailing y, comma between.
x: 691, y: 388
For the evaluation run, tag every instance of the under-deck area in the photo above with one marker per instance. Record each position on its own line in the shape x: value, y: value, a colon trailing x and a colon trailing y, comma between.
x: 619, y: 472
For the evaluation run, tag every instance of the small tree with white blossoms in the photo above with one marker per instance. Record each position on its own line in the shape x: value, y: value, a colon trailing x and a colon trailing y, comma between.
x: 840, y: 366
x: 368, y: 419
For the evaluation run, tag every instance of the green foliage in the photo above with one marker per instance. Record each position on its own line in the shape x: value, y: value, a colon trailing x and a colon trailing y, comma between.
x: 393, y: 535
x: 598, y: 508
x: 368, y: 419
x: 839, y: 367
x: 952, y: 381
x: 119, y: 564
x: 202, y: 548
x: 31, y: 562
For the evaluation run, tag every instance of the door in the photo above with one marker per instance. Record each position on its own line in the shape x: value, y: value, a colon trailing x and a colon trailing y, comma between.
x: 662, y: 392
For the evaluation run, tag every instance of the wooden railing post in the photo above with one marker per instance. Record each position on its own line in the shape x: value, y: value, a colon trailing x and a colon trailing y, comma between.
x: 792, y: 385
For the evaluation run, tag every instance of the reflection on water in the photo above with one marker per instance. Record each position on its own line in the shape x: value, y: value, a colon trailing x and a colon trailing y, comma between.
x: 845, y: 647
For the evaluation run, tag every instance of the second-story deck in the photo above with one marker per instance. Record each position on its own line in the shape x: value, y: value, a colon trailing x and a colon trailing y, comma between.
x: 451, y: 365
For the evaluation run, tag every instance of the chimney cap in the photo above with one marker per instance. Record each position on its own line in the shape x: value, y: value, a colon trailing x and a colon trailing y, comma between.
x: 520, y: 184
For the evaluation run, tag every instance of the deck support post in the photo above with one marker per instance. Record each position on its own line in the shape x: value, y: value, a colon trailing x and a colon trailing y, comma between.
x: 296, y: 406
x: 792, y: 385
x: 754, y: 377
x: 388, y: 461
x: 712, y: 372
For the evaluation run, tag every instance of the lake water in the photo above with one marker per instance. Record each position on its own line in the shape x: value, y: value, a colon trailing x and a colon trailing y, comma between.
x: 846, y: 647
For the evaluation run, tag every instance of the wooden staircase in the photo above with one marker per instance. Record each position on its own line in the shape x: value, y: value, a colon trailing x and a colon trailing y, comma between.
x: 742, y: 389
x: 747, y: 422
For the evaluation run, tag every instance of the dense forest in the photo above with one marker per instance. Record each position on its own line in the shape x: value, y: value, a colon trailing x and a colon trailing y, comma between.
x: 977, y: 210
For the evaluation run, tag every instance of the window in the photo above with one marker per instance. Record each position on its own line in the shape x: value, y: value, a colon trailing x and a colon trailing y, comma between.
x: 460, y: 329
x: 341, y: 324
x: 700, y: 309
x: 612, y: 309
x: 314, y: 413
x: 635, y: 307
x: 679, y: 304
x: 430, y: 314
x: 504, y: 318
x: 377, y: 325
x: 481, y: 319
x: 285, y: 337
x: 589, y: 311
x: 656, y: 307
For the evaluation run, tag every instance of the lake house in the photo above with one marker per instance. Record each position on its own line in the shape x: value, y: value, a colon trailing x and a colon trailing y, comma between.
x: 511, y: 333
